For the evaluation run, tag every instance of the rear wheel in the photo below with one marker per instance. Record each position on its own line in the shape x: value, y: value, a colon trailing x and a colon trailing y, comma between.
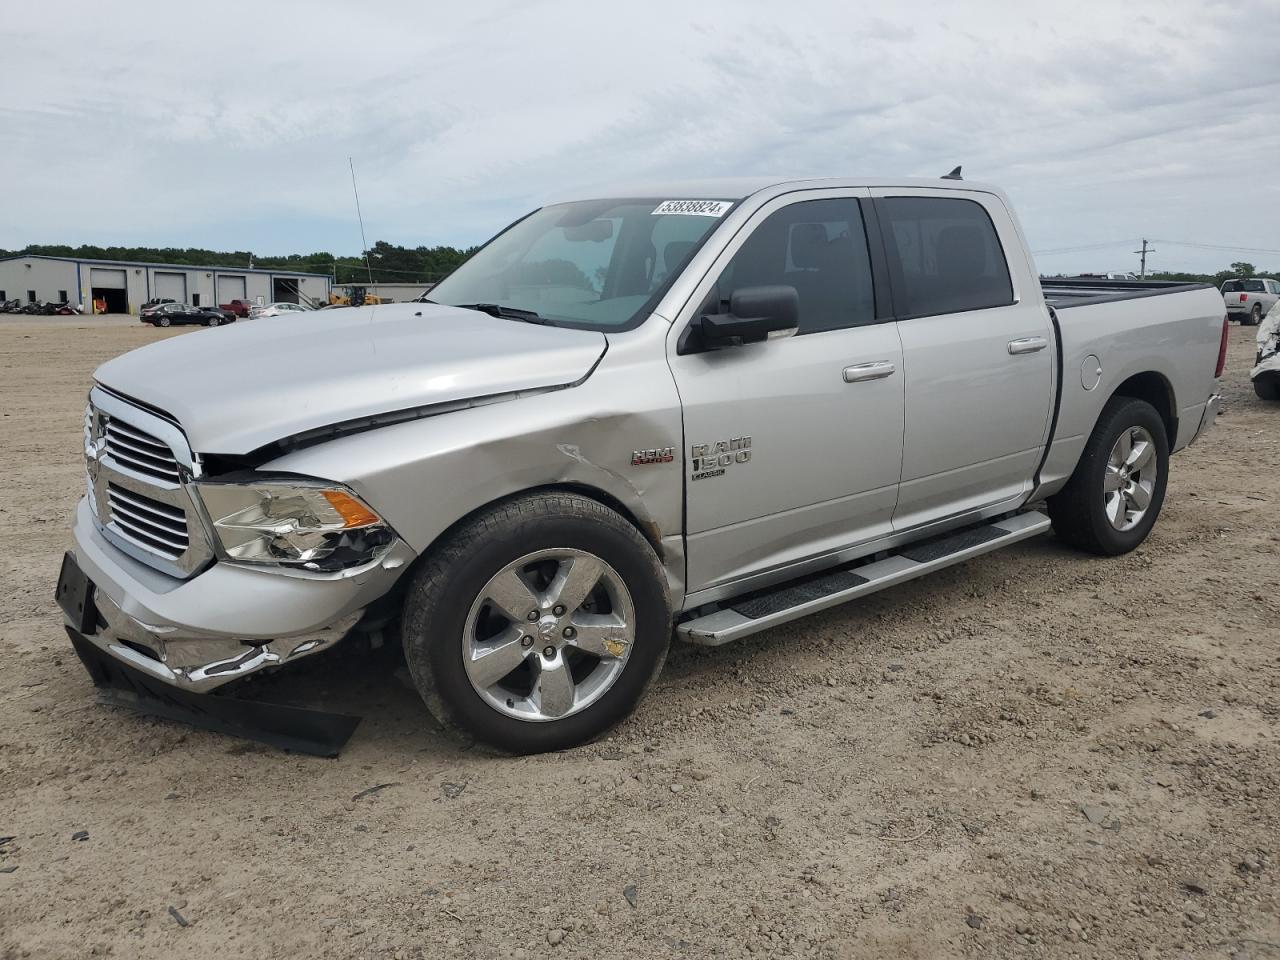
x: 1255, y: 315
x: 537, y: 625
x: 1115, y: 494
x: 163, y: 321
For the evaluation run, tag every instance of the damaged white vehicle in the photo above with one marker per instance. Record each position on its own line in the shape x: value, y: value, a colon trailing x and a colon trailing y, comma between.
x: 1266, y: 372
x: 693, y: 411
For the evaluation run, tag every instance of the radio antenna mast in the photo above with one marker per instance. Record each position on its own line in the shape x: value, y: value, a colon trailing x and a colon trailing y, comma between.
x: 364, y: 244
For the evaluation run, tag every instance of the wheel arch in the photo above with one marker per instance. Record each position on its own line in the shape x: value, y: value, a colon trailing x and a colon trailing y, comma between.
x: 650, y: 531
x: 1156, y: 390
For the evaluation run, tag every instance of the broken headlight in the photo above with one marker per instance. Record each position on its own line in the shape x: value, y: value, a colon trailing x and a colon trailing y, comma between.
x: 295, y: 523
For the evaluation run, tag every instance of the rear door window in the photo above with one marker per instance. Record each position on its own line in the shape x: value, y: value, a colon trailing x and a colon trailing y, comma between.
x: 944, y: 255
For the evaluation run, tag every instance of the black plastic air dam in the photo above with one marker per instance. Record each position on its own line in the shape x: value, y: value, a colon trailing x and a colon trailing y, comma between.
x: 314, y: 732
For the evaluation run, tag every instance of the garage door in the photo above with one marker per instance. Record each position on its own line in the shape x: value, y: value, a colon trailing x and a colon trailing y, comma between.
x: 230, y: 288
x: 170, y: 286
x: 107, y: 279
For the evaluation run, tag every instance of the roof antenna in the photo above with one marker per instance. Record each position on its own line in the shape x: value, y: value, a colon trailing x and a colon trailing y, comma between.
x: 954, y: 175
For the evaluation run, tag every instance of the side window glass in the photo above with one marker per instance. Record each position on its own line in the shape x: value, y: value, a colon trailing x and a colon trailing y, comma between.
x: 949, y: 257
x: 820, y: 248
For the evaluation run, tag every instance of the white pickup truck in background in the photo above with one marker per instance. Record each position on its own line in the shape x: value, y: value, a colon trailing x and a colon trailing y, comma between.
x: 1249, y: 299
x: 697, y: 410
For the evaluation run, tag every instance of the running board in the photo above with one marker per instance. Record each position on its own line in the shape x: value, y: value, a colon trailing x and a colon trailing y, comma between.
x: 764, y: 609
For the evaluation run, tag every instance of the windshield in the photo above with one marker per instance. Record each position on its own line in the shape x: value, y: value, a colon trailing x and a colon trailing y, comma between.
x: 599, y: 264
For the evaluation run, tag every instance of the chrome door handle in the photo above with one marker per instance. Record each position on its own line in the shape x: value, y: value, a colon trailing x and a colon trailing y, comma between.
x: 876, y: 370
x: 1027, y: 345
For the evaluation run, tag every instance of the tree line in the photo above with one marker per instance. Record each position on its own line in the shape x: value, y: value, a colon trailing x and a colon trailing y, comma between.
x: 387, y: 262
x: 1238, y: 269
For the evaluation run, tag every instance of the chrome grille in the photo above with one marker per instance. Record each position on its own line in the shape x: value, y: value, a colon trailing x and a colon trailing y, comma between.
x: 136, y: 450
x: 150, y: 523
x: 140, y: 466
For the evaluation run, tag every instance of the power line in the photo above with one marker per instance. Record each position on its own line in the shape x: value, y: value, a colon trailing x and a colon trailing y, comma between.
x: 1087, y: 246
x: 1218, y: 246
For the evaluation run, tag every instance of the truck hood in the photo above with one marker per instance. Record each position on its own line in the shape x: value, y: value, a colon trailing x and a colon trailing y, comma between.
x: 239, y: 387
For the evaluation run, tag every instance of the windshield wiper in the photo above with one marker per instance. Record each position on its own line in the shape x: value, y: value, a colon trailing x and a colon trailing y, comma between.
x: 508, y: 313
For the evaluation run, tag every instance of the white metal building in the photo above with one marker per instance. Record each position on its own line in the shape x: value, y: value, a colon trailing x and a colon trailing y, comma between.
x: 124, y: 286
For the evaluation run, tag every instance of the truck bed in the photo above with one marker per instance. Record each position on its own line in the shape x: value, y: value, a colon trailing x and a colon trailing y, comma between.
x: 1074, y: 292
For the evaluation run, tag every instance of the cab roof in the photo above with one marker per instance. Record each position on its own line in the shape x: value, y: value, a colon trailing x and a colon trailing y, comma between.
x: 739, y: 188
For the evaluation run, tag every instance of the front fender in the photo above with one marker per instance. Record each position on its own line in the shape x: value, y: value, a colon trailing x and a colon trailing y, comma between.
x: 425, y: 475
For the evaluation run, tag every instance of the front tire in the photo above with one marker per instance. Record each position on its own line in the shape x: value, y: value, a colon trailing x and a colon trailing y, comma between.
x: 163, y: 322
x: 212, y: 321
x: 1115, y: 494
x: 538, y: 624
x: 1267, y: 388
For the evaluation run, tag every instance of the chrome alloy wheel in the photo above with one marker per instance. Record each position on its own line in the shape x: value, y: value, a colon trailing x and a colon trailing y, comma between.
x: 549, y: 634
x: 1130, y: 480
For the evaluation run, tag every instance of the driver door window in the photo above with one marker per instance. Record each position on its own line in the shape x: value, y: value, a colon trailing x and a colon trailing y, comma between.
x: 820, y: 248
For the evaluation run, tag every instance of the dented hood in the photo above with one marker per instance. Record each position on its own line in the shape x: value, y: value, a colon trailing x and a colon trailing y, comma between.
x: 236, y: 388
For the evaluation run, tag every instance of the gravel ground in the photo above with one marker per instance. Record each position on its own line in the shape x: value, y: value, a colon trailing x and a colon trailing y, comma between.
x: 1035, y: 754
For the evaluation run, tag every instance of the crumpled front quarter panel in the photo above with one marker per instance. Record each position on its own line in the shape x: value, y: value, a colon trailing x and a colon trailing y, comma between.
x: 424, y: 476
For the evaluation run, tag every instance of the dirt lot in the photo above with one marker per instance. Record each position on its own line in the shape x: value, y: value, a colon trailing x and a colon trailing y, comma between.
x: 1036, y: 754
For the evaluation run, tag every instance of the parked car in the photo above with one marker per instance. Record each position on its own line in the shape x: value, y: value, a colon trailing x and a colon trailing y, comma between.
x: 700, y: 411
x: 239, y: 308
x: 1266, y: 371
x: 277, y: 309
x: 170, y: 313
x: 1249, y: 298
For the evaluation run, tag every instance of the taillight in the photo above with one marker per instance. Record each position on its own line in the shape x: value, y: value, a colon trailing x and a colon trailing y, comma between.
x: 1244, y: 297
x: 1222, y: 350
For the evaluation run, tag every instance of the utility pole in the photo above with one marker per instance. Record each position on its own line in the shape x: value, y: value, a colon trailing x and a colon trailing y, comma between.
x: 1144, y: 251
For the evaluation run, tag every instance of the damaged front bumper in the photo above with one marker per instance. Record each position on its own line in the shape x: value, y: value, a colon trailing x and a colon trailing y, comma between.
x: 224, y: 624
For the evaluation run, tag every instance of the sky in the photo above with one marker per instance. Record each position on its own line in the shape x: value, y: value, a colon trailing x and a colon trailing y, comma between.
x: 229, y: 126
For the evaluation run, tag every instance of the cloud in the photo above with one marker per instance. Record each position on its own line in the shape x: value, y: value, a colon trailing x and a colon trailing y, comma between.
x: 170, y: 125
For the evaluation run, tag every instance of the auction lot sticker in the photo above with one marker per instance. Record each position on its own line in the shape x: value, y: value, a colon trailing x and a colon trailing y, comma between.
x: 693, y: 208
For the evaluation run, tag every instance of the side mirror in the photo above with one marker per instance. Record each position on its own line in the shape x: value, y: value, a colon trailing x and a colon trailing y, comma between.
x: 754, y: 313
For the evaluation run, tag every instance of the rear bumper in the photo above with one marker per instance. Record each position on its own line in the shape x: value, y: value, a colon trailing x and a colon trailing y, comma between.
x: 225, y: 623
x: 1209, y: 416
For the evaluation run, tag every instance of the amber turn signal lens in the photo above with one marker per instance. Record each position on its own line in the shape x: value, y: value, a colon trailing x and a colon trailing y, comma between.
x: 353, y: 512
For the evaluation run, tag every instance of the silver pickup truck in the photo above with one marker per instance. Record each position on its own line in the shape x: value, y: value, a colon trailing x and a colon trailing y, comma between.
x: 692, y: 411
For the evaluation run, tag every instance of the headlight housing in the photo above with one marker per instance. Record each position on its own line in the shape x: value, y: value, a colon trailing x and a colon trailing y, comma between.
x: 311, y: 525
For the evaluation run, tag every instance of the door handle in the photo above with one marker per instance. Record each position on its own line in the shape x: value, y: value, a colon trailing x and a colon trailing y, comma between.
x: 1027, y: 345
x: 876, y: 370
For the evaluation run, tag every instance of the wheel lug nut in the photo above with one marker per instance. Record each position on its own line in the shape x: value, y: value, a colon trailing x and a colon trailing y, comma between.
x: 526, y: 642
x: 558, y: 610
x: 533, y: 615
x: 570, y: 633
x: 549, y: 652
